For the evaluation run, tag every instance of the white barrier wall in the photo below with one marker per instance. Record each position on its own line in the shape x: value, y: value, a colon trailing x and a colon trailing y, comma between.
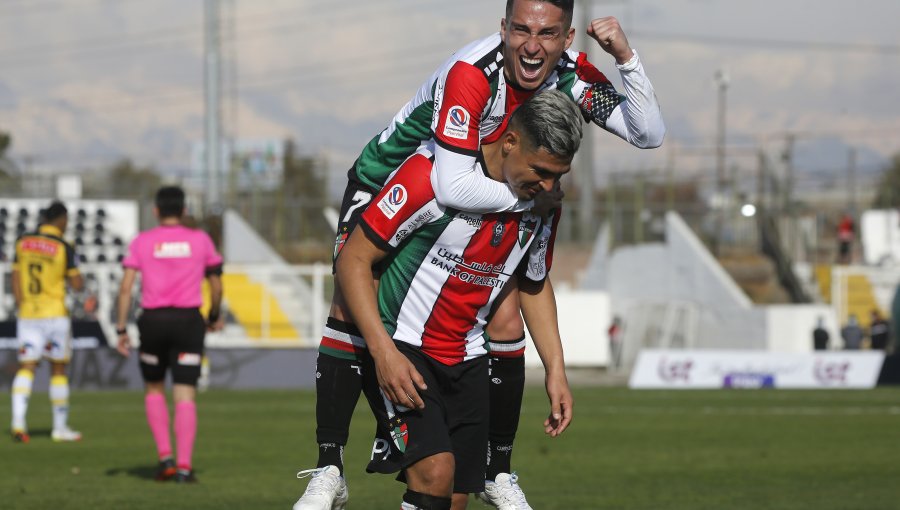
x: 584, y: 318
x: 789, y: 327
x: 695, y: 369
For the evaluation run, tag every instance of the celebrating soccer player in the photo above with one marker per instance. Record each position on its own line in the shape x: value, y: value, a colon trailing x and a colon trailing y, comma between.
x: 464, y: 104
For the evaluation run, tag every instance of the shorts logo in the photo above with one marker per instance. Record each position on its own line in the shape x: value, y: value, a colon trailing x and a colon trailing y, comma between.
x: 457, y: 125
x: 399, y: 434
x: 189, y: 359
x: 496, y: 380
x: 339, y: 244
x: 393, y: 200
x: 149, y: 359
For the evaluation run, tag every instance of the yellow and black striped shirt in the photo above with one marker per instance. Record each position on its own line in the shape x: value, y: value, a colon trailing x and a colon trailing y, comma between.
x: 43, y: 262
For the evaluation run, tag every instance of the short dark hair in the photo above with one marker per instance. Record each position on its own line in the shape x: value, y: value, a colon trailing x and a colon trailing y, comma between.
x: 567, y: 7
x: 55, y: 211
x: 549, y: 120
x: 170, y: 202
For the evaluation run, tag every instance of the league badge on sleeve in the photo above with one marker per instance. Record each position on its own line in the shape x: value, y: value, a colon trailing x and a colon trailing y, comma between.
x: 393, y: 200
x: 457, y: 123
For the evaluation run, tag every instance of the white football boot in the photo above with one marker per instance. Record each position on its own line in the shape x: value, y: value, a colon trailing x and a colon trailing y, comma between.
x: 504, y: 493
x: 327, y: 490
x: 65, y: 435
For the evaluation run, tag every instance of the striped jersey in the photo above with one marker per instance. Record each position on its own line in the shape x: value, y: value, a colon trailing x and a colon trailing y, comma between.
x: 467, y: 103
x: 446, y: 267
x: 43, y: 261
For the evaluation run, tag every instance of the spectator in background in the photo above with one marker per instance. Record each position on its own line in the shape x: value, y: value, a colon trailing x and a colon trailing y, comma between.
x: 852, y: 334
x: 879, y: 332
x: 820, y: 335
x: 616, y: 333
x: 846, y: 233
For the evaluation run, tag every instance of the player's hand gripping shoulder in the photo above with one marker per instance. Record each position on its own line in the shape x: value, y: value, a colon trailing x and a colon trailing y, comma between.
x: 547, y: 201
x: 399, y: 379
x: 561, y: 403
x: 609, y: 35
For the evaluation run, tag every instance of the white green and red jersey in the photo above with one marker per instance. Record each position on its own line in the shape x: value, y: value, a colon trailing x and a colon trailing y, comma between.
x: 467, y: 102
x: 446, y: 267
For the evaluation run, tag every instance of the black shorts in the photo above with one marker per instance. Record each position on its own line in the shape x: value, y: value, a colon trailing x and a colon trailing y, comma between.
x: 357, y: 197
x: 171, y: 337
x: 455, y: 418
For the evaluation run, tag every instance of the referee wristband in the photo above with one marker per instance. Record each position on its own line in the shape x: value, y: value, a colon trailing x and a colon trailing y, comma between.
x: 121, y: 331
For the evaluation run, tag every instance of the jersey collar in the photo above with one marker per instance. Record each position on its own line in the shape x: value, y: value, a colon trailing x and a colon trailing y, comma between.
x: 50, y: 229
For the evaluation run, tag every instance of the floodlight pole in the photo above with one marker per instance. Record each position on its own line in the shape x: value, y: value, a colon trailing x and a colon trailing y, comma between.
x: 213, y: 81
x: 722, y: 83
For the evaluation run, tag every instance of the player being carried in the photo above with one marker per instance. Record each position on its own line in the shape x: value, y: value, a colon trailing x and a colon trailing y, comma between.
x: 464, y: 104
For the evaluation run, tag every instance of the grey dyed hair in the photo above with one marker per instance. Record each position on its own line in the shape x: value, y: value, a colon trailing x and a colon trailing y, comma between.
x: 549, y: 120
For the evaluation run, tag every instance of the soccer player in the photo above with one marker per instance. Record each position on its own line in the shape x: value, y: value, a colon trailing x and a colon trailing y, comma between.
x: 173, y: 261
x: 465, y: 103
x: 426, y: 373
x: 44, y: 262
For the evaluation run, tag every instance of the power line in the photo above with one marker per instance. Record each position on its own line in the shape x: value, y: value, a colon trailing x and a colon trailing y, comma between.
x: 885, y: 49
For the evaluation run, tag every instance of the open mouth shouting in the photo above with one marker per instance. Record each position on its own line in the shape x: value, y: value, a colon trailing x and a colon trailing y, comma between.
x: 531, y: 67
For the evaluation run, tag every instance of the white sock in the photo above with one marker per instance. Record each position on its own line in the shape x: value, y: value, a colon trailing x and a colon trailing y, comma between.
x: 21, y: 392
x: 59, y: 399
x: 408, y: 506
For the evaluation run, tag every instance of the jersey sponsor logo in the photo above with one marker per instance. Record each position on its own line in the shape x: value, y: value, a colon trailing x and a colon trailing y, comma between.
x: 470, y: 220
x: 393, y: 201
x: 499, y: 228
x: 40, y: 246
x: 417, y: 222
x: 172, y: 250
x: 457, y: 125
x: 189, y: 359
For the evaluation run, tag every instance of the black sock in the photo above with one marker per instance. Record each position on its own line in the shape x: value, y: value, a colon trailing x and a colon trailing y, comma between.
x: 507, y: 387
x: 338, y: 386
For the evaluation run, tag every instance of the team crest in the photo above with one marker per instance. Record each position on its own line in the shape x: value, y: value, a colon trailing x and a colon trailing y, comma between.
x: 526, y: 230
x: 399, y: 434
x: 339, y: 244
x: 499, y: 228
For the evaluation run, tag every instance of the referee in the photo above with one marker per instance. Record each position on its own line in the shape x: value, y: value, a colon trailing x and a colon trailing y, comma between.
x: 173, y: 261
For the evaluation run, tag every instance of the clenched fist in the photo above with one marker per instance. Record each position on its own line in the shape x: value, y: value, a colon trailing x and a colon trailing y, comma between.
x: 609, y: 35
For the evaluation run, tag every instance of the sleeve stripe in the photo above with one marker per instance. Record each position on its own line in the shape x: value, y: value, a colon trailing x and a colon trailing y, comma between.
x: 457, y: 150
x: 374, y: 237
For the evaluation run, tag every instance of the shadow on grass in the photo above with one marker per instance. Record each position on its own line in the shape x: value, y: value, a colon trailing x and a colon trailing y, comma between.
x: 143, y: 472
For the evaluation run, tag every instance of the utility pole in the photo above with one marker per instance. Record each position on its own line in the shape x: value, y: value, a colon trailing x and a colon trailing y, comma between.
x: 585, y: 157
x: 213, y: 82
x: 585, y: 154
x: 722, y: 84
x: 851, y: 182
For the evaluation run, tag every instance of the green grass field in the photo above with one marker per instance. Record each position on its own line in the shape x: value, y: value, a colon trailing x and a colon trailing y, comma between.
x: 626, y: 450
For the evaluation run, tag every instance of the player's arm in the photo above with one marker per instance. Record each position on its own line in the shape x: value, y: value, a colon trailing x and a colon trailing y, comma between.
x: 636, y: 117
x: 538, y: 304
x: 214, y: 321
x: 456, y: 129
x: 76, y: 282
x: 17, y: 286
x: 397, y: 377
x: 124, y: 306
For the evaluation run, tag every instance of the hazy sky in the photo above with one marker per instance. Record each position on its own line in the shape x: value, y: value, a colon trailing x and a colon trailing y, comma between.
x: 84, y: 82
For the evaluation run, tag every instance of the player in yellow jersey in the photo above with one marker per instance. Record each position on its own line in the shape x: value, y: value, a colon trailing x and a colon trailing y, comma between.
x: 44, y: 262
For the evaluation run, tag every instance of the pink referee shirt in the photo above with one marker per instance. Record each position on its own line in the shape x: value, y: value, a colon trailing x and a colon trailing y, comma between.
x: 173, y: 260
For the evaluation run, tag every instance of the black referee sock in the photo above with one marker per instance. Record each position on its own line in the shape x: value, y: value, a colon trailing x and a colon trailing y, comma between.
x: 331, y: 454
